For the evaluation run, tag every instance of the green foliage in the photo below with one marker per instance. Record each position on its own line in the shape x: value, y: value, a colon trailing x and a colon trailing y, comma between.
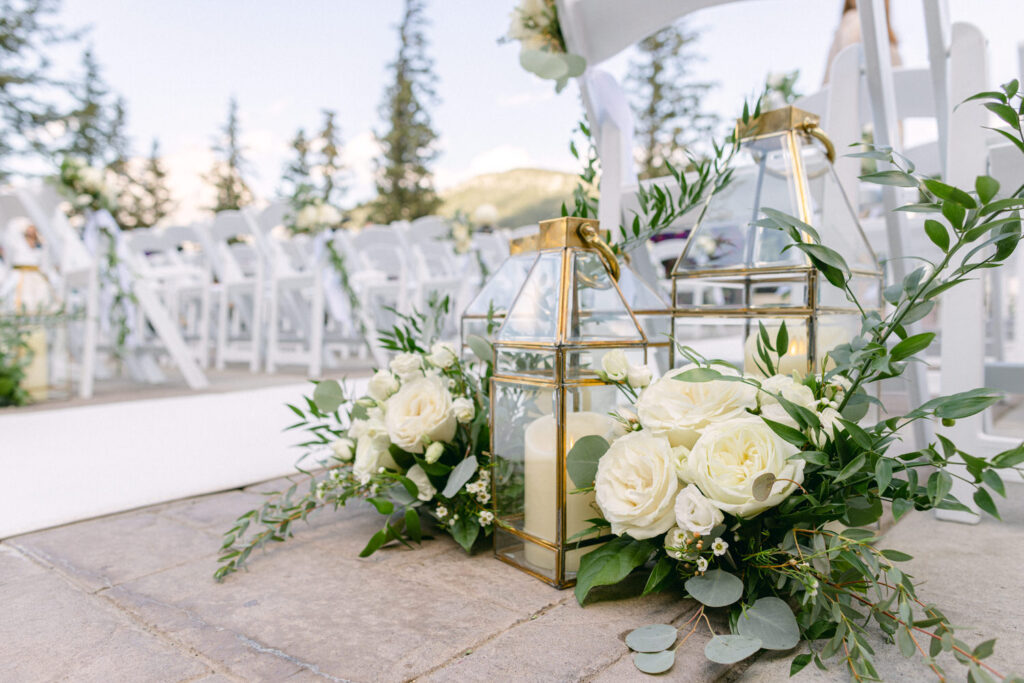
x: 15, y: 355
x: 581, y: 460
x: 404, y: 181
x: 667, y: 100
x: 89, y: 124
x: 144, y: 199
x: 227, y: 174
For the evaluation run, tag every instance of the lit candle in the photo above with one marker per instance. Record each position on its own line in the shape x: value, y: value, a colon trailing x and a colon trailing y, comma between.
x: 795, y: 360
x: 540, y: 485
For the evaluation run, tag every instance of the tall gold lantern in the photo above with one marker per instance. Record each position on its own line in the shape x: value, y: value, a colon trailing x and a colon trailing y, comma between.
x: 733, y: 274
x: 546, y: 395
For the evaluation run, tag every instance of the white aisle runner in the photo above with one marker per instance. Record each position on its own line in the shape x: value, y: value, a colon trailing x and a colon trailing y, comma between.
x: 63, y: 465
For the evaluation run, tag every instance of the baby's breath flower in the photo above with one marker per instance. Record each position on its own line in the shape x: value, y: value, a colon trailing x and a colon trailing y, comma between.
x: 702, y: 564
x: 486, y: 517
x: 441, y: 511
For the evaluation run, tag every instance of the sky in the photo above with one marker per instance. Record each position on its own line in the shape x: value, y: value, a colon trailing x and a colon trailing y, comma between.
x: 177, y: 63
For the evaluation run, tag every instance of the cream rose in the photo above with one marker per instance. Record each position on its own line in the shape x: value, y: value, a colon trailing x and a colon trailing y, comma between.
x: 615, y: 365
x: 442, y: 354
x: 636, y: 485
x: 727, y: 460
x: 680, y: 410
x: 420, y: 412
x: 695, y: 513
x: 371, y: 454
x: 382, y: 385
x: 425, y: 489
x: 408, y: 366
x: 463, y: 409
x: 638, y: 376
x: 343, y: 448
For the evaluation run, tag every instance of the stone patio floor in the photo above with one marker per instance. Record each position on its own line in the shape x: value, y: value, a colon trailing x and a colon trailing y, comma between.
x: 130, y: 597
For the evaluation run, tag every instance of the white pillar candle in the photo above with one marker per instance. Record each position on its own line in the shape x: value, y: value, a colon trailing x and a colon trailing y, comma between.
x: 795, y: 360
x: 540, y: 484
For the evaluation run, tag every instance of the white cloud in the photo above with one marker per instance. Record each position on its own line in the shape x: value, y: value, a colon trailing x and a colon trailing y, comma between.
x: 494, y: 160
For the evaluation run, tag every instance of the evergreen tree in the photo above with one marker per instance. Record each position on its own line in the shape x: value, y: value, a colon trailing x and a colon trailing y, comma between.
x: 226, y: 174
x: 117, y: 141
x: 147, y: 201
x: 667, y: 102
x: 297, y: 180
x: 330, y: 170
x: 88, y: 126
x: 405, y: 188
x: 26, y: 33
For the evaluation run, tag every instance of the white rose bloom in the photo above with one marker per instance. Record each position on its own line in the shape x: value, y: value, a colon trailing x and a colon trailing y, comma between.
x: 371, y: 454
x: 638, y: 376
x: 789, y: 388
x: 408, y: 366
x: 373, y: 425
x: 680, y: 410
x: 343, y: 448
x: 729, y: 457
x: 678, y: 544
x: 615, y: 365
x: 92, y: 179
x: 419, y: 477
x: 464, y: 409
x: 636, y: 485
x: 830, y: 424
x: 680, y: 458
x: 306, y: 218
x: 442, y: 355
x: 420, y: 412
x: 382, y: 385
x: 695, y: 513
x: 434, y: 452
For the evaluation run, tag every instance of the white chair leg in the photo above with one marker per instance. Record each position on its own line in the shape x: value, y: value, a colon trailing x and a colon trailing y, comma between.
x: 273, y: 332
x: 204, y: 326
x: 89, y: 341
x: 316, y: 331
x: 222, y: 326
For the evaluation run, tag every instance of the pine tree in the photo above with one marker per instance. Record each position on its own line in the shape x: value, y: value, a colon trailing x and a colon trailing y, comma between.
x: 118, y: 143
x: 226, y: 174
x: 88, y: 124
x: 405, y: 188
x: 297, y: 181
x: 148, y: 200
x: 27, y: 33
x: 667, y: 101
x: 330, y: 170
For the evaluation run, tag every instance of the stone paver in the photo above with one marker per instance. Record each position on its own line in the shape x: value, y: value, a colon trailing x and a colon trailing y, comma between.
x: 130, y: 597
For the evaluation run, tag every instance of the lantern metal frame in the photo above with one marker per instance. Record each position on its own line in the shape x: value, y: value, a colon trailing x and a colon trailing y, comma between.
x: 796, y: 128
x: 569, y: 235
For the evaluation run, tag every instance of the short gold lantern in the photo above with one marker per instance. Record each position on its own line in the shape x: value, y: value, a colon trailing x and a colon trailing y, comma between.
x: 734, y: 274
x: 546, y: 395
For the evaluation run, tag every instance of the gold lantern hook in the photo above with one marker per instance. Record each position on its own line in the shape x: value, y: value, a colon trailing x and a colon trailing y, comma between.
x: 810, y: 126
x: 590, y: 236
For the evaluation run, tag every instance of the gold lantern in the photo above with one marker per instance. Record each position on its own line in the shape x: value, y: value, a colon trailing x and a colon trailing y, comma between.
x: 546, y: 394
x: 734, y: 274
x: 488, y: 308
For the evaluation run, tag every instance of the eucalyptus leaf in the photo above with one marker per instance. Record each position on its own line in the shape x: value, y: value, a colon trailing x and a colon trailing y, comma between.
x: 731, y: 648
x: 581, y: 461
x: 652, y: 638
x: 462, y: 473
x: 480, y: 347
x: 654, y: 662
x: 762, y: 486
x: 771, y: 621
x: 716, y: 588
x: 328, y: 396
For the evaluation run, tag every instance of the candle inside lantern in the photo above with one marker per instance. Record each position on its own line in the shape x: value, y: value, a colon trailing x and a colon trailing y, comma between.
x: 540, y: 485
x: 795, y: 360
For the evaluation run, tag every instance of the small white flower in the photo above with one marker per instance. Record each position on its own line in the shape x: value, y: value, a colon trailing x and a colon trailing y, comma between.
x: 483, y: 496
x: 408, y: 366
x: 486, y: 517
x: 719, y: 547
x: 381, y: 470
x: 677, y: 544
x: 455, y: 516
x: 434, y: 452
x: 441, y: 511
x: 343, y: 448
x: 382, y: 385
x: 464, y: 409
x: 702, y: 564
x: 638, y: 376
x: 615, y: 365
x: 812, y: 588
x: 442, y: 355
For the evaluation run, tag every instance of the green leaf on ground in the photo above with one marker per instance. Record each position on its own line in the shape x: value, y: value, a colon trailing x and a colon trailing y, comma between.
x: 731, y: 649
x: 716, y: 588
x: 652, y: 638
x: 771, y: 621
x: 654, y: 662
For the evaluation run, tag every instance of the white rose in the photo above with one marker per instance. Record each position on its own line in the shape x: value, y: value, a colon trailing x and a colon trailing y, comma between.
x: 464, y: 409
x: 343, y: 448
x: 434, y: 452
x: 695, y: 513
x: 789, y: 388
x: 371, y: 454
x: 442, y: 355
x: 727, y: 460
x: 419, y: 477
x: 636, y: 485
x: 615, y: 365
x: 830, y: 424
x: 638, y: 376
x: 680, y: 410
x: 382, y: 385
x: 678, y: 544
x: 420, y: 412
x: 408, y: 366
x: 373, y: 425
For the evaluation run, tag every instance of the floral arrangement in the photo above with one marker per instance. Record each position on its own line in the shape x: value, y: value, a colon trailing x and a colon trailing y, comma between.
x: 314, y: 217
x: 534, y: 24
x: 85, y: 186
x: 759, y: 494
x: 414, y: 446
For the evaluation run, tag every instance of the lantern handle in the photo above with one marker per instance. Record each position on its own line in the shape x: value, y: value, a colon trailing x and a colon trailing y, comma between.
x: 588, y: 233
x: 811, y: 127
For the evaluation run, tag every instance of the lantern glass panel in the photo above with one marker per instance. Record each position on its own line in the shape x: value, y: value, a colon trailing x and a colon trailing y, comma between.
x: 598, y: 311
x: 536, y: 364
x: 496, y: 296
x: 533, y: 317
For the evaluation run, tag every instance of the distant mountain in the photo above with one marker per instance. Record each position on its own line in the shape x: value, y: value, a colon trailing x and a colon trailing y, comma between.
x: 521, y: 196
